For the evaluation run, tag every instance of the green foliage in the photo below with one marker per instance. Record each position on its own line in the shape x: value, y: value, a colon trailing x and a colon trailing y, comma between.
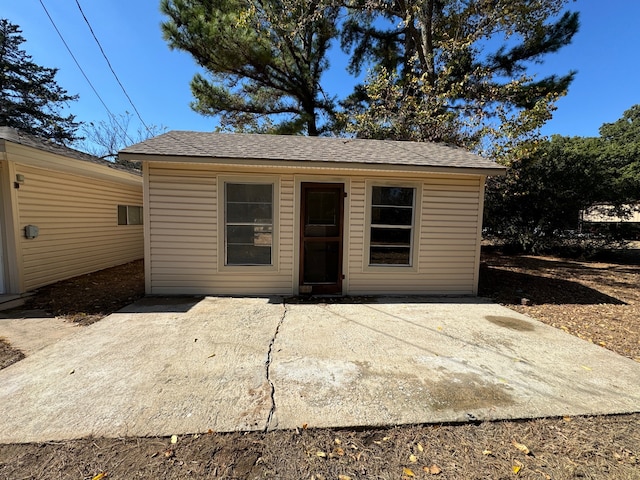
x: 438, y: 74
x: 540, y: 199
x: 263, y: 58
x: 622, y: 151
x: 30, y: 98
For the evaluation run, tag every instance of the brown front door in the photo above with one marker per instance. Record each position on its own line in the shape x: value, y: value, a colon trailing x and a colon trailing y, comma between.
x: 321, y: 226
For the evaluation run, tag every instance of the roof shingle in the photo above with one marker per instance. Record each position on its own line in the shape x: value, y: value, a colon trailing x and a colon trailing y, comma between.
x: 16, y: 136
x: 307, y: 149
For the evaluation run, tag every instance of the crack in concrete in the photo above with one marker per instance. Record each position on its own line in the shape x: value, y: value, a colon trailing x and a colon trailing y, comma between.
x: 267, y: 366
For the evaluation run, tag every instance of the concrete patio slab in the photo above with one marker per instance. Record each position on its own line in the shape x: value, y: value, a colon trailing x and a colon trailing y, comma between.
x: 402, y: 361
x: 226, y: 364
x: 33, y: 330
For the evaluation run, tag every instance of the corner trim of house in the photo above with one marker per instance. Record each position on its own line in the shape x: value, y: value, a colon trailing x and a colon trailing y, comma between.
x: 147, y: 228
x: 476, y: 266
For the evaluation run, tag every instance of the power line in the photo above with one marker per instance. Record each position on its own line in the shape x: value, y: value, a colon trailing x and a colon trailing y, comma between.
x: 111, y: 68
x: 83, y: 73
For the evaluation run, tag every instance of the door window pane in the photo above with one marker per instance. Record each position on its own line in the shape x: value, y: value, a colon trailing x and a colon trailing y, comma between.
x: 249, y: 223
x: 321, y: 262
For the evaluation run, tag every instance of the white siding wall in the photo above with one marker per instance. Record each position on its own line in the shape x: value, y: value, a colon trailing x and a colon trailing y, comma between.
x: 78, y: 222
x: 183, y: 237
x: 183, y: 240
x: 447, y: 246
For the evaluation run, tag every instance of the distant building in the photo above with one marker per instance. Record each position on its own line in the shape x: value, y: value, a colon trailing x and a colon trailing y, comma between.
x: 63, y: 213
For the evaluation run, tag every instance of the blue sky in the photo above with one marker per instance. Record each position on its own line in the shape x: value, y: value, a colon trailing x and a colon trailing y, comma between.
x: 605, y: 53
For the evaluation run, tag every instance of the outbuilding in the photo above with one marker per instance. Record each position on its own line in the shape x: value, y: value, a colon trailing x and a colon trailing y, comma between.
x: 64, y: 213
x: 251, y: 214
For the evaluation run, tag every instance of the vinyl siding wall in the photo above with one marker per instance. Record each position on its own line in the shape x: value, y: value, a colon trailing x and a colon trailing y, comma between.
x: 78, y: 225
x: 185, y: 250
x: 448, y: 220
x: 184, y: 245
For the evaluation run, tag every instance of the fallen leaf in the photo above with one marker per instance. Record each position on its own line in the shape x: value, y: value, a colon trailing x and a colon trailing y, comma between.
x: 344, y: 477
x: 174, y: 439
x: 420, y: 448
x: 566, y: 419
x: 586, y: 368
x: 100, y: 476
x: 304, y: 426
x: 321, y: 454
x: 168, y: 453
x: 408, y: 472
x: 516, y: 469
x: 520, y: 446
x: 435, y: 469
x: 337, y: 441
x: 487, y: 452
x: 413, y: 458
x: 338, y: 451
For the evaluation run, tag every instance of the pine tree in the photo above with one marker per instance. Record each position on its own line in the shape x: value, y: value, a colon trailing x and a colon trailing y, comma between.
x: 461, y: 72
x: 264, y: 60
x: 30, y: 98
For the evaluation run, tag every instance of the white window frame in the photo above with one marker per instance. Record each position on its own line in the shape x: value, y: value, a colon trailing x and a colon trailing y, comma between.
x: 415, y: 226
x: 222, y: 223
x: 128, y: 209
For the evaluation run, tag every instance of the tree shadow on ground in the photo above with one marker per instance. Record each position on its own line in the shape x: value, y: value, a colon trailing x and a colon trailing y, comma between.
x: 509, y: 287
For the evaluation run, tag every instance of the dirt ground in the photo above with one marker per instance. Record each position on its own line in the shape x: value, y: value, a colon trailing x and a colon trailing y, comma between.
x: 597, y: 301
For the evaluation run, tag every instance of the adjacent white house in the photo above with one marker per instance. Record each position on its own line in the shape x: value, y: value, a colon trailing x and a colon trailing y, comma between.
x: 248, y: 214
x: 64, y: 213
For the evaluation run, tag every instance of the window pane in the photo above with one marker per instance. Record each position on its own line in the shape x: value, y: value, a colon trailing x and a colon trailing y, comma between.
x: 248, y: 192
x: 249, y: 223
x: 322, y: 208
x: 391, y: 225
x: 248, y: 255
x: 122, y: 214
x: 135, y: 215
x: 391, y: 236
x: 321, y: 262
x: 391, y: 216
x: 390, y: 256
x: 397, y: 196
x: 249, y: 213
x: 249, y: 235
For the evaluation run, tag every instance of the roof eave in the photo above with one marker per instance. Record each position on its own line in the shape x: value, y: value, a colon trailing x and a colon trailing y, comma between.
x: 314, y: 165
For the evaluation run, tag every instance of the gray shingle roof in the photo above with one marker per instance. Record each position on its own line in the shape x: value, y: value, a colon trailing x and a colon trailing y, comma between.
x: 201, y: 145
x: 16, y: 136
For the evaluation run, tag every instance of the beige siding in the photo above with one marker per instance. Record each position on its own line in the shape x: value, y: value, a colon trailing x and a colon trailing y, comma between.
x: 185, y: 217
x: 447, y: 245
x: 78, y: 224
x: 184, y: 243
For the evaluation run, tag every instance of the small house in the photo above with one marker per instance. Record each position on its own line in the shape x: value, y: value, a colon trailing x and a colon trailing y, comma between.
x: 64, y: 213
x: 250, y: 214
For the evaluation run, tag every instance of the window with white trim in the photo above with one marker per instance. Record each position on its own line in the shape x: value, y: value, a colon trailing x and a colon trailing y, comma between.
x: 129, y: 215
x: 248, y: 223
x: 392, y: 223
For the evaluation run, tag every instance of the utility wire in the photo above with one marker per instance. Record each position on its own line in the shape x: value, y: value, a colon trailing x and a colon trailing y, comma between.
x: 83, y: 73
x: 111, y: 68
